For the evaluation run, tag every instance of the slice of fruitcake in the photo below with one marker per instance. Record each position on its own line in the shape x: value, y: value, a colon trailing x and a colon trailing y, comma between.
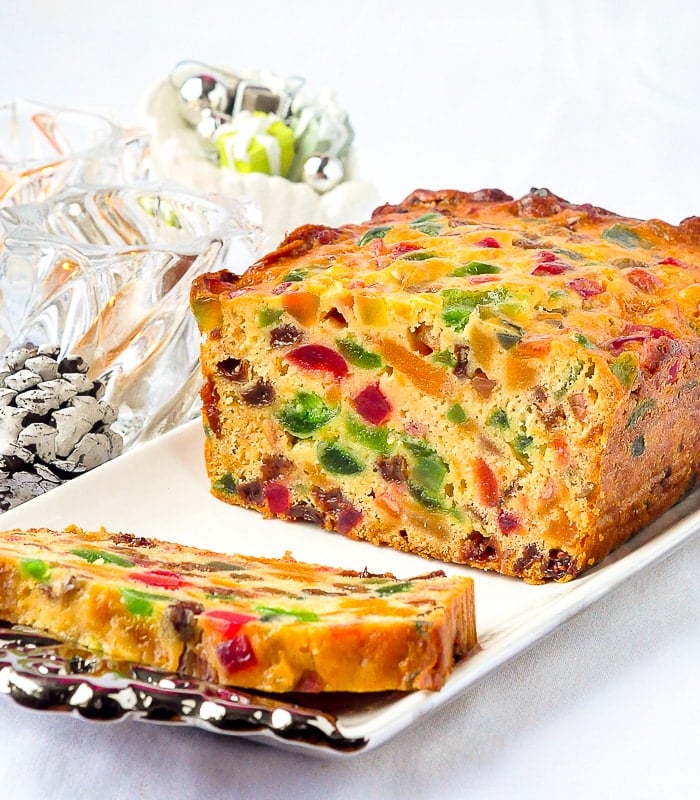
x: 274, y: 625
x: 510, y: 384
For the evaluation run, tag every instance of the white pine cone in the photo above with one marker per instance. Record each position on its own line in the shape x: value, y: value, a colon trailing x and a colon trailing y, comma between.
x: 54, y: 424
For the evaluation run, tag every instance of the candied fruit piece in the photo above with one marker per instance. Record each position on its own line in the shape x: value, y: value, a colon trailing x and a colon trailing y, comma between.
x: 371, y: 310
x: 428, y: 377
x: 278, y: 498
x: 372, y: 405
x: 318, y: 358
x: 163, y: 578
x: 378, y: 232
x: 486, y: 483
x: 36, y: 568
x: 226, y: 623
x: 507, y: 521
x: 338, y: 460
x: 303, y: 306
x: 586, y: 287
x: 644, y: 281
x: 475, y: 268
x: 305, y: 413
x: 348, y: 518
x: 487, y: 241
x: 357, y: 355
x: 370, y: 436
x: 207, y: 312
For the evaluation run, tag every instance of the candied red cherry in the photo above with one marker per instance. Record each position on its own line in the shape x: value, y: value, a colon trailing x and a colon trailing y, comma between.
x: 236, y: 653
x: 220, y: 282
x: 671, y: 261
x: 486, y: 483
x: 550, y: 268
x: 318, y: 358
x: 347, y: 519
x: 163, y: 578
x: 277, y: 498
x: 644, y: 281
x: 227, y: 623
x: 586, y: 287
x: 488, y: 241
x: 507, y: 521
x: 401, y: 248
x: 372, y: 405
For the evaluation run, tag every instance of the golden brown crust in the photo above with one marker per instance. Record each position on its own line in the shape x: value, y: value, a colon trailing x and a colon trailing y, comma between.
x: 566, y: 334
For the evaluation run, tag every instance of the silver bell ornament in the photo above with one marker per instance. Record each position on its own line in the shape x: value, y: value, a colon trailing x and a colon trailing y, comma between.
x: 204, y: 95
x: 323, y: 172
x: 210, y: 97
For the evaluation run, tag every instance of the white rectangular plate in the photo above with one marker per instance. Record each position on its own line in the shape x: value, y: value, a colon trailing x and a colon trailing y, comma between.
x: 161, y: 490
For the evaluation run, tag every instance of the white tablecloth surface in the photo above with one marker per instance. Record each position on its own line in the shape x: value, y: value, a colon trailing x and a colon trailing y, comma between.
x: 597, y: 101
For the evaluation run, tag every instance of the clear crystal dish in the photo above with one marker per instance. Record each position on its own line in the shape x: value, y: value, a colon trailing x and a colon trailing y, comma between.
x: 105, y: 272
x: 45, y: 148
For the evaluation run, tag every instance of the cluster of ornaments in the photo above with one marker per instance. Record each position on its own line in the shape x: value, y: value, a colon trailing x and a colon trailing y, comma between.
x: 54, y: 424
x: 265, y: 124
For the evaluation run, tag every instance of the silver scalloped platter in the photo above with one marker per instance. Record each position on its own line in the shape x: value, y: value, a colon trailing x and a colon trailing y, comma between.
x: 42, y: 673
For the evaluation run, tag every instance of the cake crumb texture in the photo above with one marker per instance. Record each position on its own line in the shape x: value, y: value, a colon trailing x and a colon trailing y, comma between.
x: 508, y: 384
x: 274, y: 625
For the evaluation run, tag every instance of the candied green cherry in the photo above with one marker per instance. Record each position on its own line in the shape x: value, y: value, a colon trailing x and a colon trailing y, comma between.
x: 373, y: 437
x: 456, y: 414
x: 426, y: 498
x: 92, y: 555
x: 36, y: 568
x: 338, y: 460
x: 429, y: 472
x: 225, y: 483
x: 300, y: 614
x: 305, y: 413
x: 445, y: 357
x: 268, y: 316
x: 418, y: 255
x: 138, y: 603
x: 583, y: 340
x: 394, y: 588
x: 296, y: 274
x: 357, y: 355
x: 458, y: 304
x: 522, y: 443
x: 624, y: 236
x: 498, y: 418
x: 625, y: 368
x: 431, y: 223
x: 475, y: 268
x: 378, y: 232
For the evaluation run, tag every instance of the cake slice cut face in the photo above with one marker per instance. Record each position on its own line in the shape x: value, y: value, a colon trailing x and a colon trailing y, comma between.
x: 274, y: 625
x: 509, y: 384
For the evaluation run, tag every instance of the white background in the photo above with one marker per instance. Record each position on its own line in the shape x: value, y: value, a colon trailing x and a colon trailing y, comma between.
x: 598, y: 102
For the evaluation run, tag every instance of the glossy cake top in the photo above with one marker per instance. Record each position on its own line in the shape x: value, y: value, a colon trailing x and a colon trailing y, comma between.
x: 538, y: 267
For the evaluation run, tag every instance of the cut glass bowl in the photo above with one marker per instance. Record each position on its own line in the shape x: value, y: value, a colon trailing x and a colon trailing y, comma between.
x: 106, y: 271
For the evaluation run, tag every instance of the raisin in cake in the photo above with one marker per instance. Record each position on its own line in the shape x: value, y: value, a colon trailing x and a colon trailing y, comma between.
x: 275, y: 625
x: 510, y: 384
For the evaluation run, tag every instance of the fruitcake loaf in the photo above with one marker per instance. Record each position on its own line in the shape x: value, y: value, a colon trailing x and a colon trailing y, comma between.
x: 274, y: 625
x: 509, y: 384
